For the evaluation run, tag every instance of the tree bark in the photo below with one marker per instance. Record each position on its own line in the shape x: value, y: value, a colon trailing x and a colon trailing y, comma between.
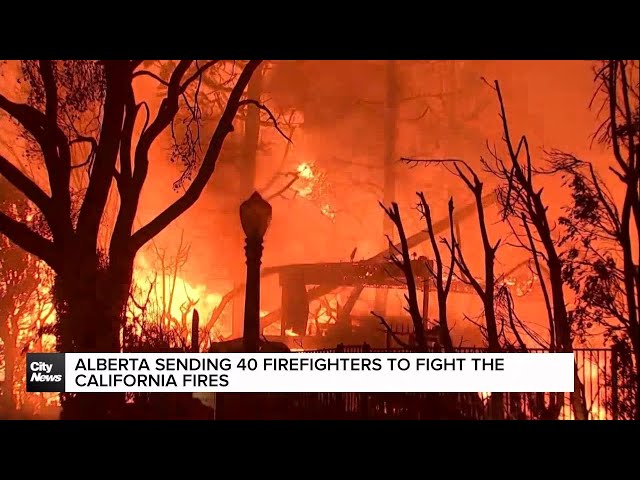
x: 563, y: 326
x: 91, y: 300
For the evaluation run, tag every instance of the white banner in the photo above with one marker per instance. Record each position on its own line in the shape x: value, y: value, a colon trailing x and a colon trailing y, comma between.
x: 316, y: 372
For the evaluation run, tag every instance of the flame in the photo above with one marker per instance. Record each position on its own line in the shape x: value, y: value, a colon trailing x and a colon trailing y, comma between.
x: 172, y: 299
x: 291, y: 333
x: 328, y: 211
x: 305, y: 171
x: 311, y: 185
x: 306, y: 180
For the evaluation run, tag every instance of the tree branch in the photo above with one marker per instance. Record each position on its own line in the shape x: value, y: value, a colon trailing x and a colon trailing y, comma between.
x: 388, y: 328
x: 51, y: 92
x: 29, y: 241
x: 147, y: 73
x: 25, y: 185
x: 225, y: 126
x: 404, y: 264
x: 272, y: 117
x: 117, y: 75
x: 200, y: 71
x: 57, y: 158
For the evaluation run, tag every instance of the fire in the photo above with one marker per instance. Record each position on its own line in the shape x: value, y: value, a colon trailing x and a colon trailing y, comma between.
x: 328, y: 211
x: 306, y: 180
x: 168, y: 300
x: 484, y: 396
x: 311, y: 185
x: 305, y: 171
x: 290, y: 333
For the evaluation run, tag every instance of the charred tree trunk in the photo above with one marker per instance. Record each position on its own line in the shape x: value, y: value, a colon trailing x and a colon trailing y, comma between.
x: 295, y: 305
x: 442, y: 287
x: 631, y: 283
x: 390, y: 140
x: 519, y: 194
x: 91, y: 292
x: 90, y: 301
x: 488, y: 298
x: 561, y: 321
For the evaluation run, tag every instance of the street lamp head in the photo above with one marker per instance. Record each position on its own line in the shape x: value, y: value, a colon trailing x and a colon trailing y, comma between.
x: 255, y: 216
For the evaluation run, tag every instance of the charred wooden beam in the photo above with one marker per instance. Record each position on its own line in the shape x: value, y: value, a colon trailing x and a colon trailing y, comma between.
x: 295, y: 302
x: 382, y: 274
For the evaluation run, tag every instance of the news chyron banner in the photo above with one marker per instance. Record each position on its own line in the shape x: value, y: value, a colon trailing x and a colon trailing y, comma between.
x: 300, y: 372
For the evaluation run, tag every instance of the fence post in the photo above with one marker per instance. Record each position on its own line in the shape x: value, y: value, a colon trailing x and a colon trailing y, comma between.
x: 195, y: 332
x: 615, y: 364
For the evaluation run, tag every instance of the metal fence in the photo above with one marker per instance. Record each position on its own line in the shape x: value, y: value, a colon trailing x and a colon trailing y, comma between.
x: 596, y: 371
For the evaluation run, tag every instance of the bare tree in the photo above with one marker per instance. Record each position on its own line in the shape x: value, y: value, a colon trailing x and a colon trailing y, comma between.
x: 526, y: 213
x: 92, y: 286
x: 600, y: 263
x: 401, y: 258
x: 485, y: 292
x: 442, y: 286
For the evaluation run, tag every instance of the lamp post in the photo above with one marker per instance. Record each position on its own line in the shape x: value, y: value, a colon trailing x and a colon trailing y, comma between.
x: 255, y: 217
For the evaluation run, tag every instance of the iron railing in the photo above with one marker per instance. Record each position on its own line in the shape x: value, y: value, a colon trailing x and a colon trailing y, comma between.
x: 596, y: 371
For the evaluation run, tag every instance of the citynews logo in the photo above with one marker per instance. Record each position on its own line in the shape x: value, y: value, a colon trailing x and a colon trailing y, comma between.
x: 45, y: 372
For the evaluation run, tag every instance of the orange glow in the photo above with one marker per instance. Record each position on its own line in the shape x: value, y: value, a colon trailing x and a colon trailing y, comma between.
x: 305, y: 171
x: 172, y: 300
x: 347, y: 137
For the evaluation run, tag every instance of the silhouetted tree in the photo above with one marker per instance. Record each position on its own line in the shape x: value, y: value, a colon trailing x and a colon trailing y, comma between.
x: 401, y: 258
x: 485, y: 292
x: 600, y: 261
x: 401, y: 255
x: 442, y: 286
x: 92, y: 286
x: 526, y: 213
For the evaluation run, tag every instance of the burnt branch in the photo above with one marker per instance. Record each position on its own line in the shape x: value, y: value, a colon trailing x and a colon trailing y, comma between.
x: 147, y: 73
x: 520, y: 198
x: 404, y: 265
x: 391, y: 332
x: 198, y: 74
x: 442, y: 287
x: 272, y: 117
